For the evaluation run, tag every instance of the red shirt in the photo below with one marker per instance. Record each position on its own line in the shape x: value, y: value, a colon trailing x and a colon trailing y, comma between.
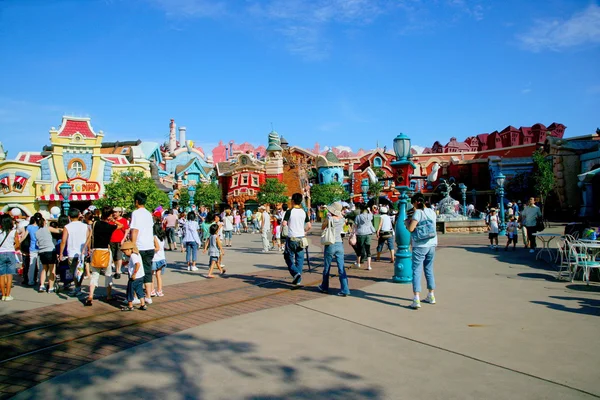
x: 119, y: 234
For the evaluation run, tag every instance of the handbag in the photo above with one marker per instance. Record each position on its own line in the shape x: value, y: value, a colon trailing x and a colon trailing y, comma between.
x: 328, y: 234
x: 425, y: 229
x: 352, y: 239
x: 539, y: 224
x: 100, y: 258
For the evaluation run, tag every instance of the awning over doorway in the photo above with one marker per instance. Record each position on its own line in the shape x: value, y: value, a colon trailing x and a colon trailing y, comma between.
x: 73, y: 197
x: 588, y: 176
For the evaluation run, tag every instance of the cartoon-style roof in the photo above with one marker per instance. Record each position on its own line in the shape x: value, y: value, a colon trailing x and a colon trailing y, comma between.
x: 73, y: 125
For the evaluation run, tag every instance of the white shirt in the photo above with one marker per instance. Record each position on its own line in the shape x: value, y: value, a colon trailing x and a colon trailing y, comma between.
x: 228, y: 223
x: 160, y: 254
x: 267, y: 222
x: 386, y: 223
x: 493, y: 221
x: 135, y: 259
x: 141, y: 219
x: 77, y: 235
x: 9, y: 244
x: 296, y: 223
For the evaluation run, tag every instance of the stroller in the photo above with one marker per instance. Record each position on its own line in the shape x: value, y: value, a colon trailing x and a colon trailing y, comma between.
x: 64, y: 277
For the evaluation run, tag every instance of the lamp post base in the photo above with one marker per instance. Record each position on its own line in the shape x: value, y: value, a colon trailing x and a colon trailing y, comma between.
x: 403, y: 267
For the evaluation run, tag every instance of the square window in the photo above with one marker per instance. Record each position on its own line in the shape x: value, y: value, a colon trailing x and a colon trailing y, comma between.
x: 244, y: 179
x: 255, y: 181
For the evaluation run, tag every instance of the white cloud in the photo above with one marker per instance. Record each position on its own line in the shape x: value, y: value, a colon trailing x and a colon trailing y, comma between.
x: 418, y: 149
x: 582, y: 28
x: 526, y: 91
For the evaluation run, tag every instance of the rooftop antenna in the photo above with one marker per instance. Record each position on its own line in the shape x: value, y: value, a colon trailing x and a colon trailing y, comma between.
x: 272, y: 127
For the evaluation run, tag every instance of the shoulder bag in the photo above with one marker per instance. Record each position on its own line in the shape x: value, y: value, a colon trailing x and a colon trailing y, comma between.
x: 285, y: 230
x: 328, y: 234
x: 425, y: 228
x: 100, y: 257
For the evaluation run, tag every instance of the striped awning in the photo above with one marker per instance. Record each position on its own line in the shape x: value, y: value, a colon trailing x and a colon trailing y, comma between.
x: 73, y: 197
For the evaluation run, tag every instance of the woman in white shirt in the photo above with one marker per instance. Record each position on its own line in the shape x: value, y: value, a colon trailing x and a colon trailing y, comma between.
x: 385, y: 234
x: 9, y: 242
x: 159, y: 261
x: 191, y: 241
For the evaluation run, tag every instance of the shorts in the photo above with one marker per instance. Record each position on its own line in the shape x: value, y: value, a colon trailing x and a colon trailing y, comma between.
x: 95, y: 278
x: 147, y: 256
x: 8, y: 263
x: 228, y: 234
x: 493, y: 235
x: 514, y: 239
x: 115, y: 248
x: 213, y: 258
x: 159, y: 266
x: 135, y: 286
x: 47, y: 257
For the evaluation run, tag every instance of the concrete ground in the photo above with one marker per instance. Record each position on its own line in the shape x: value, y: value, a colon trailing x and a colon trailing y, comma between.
x: 503, y: 328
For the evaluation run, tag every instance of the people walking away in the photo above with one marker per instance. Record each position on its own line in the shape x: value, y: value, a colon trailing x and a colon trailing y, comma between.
x: 364, y: 229
x: 135, y: 284
x: 47, y: 255
x: 215, y: 251
x: 142, y: 236
x: 99, y: 241
x: 192, y: 241
x: 424, y: 241
x: 30, y: 231
x: 492, y: 223
x: 75, y: 236
x: 117, y: 238
x: 159, y: 261
x: 170, y: 229
x: 334, y: 221
x: 228, y: 226
x: 265, y: 227
x: 385, y: 234
x: 530, y: 216
x: 9, y: 244
x: 297, y: 223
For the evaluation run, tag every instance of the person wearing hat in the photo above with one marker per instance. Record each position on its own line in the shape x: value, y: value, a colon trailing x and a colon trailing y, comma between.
x: 336, y: 222
x: 385, y: 234
x: 135, y: 284
x: 265, y: 227
x: 117, y: 238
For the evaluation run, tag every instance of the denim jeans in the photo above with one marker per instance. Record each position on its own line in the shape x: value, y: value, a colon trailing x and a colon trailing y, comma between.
x: 336, y: 251
x: 294, y: 256
x: 33, y: 267
x: 170, y: 231
x: 389, y: 241
x: 422, y: 258
x: 191, y: 251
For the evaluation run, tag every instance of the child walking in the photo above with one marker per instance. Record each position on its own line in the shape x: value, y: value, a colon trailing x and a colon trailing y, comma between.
x: 159, y: 261
x: 215, y: 250
x: 135, y: 285
x: 512, y: 233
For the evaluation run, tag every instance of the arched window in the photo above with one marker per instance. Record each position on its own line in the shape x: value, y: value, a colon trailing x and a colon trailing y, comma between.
x: 76, y: 166
x: 377, y: 162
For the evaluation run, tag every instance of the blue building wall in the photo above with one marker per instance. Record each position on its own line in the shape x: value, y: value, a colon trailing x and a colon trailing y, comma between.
x: 331, y: 174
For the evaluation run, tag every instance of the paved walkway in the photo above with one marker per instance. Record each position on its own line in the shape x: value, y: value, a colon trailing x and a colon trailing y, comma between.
x: 503, y: 328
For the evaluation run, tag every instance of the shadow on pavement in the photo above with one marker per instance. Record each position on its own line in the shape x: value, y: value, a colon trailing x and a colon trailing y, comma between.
x: 180, y: 367
x: 586, y: 306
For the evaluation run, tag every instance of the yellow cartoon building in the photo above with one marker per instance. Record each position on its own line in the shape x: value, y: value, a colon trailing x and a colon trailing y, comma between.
x: 77, y: 156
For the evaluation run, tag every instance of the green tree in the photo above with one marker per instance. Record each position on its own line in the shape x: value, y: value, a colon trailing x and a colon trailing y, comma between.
x: 207, y: 194
x: 184, y: 198
x: 327, y: 193
x: 542, y: 177
x: 272, y: 192
x: 376, y: 188
x: 119, y: 192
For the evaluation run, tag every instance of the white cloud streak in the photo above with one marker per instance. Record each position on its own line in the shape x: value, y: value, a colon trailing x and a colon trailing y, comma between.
x: 582, y: 28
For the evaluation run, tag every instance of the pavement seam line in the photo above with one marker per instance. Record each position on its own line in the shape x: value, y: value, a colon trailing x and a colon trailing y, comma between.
x: 450, y: 351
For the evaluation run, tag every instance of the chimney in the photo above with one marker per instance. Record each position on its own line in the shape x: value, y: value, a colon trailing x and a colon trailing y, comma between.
x: 172, y: 138
x: 182, y: 141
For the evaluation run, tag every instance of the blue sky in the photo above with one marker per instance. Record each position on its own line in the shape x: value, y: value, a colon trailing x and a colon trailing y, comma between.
x: 340, y: 72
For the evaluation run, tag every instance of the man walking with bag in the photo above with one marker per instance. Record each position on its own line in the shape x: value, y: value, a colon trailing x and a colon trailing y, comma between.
x: 297, y: 223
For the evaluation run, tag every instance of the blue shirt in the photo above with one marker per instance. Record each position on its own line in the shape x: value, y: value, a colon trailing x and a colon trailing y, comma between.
x: 419, y: 215
x: 32, y: 229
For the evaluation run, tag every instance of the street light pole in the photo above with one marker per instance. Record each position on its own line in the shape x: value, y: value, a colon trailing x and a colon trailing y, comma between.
x: 500, y: 182
x: 65, y: 191
x: 191, y: 191
x: 170, y: 194
x: 365, y: 190
x: 463, y: 192
x: 404, y: 167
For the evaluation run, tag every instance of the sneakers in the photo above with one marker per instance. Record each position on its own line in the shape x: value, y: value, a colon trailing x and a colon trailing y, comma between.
x: 297, y: 279
x: 429, y: 299
x: 369, y: 268
x: 148, y: 300
x: 3, y: 297
x: 189, y: 268
x: 416, y: 304
x: 136, y: 301
x: 42, y: 289
x: 51, y: 290
x: 159, y: 293
x: 194, y: 269
x: 8, y: 298
x: 153, y: 293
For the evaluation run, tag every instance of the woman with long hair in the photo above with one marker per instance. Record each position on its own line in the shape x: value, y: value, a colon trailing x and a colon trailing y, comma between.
x: 334, y: 221
x: 424, y: 242
x: 159, y: 261
x: 9, y: 243
x: 364, y: 229
x: 47, y: 254
x: 191, y: 240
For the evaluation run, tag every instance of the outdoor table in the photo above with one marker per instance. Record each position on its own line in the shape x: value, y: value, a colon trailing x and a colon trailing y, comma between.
x: 546, y: 239
x: 593, y: 246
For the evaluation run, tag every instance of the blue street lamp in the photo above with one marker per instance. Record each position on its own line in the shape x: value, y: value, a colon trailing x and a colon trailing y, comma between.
x: 364, y: 186
x: 191, y: 191
x: 463, y: 191
x: 500, y: 182
x: 404, y: 167
x: 65, y: 191
x: 170, y: 194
